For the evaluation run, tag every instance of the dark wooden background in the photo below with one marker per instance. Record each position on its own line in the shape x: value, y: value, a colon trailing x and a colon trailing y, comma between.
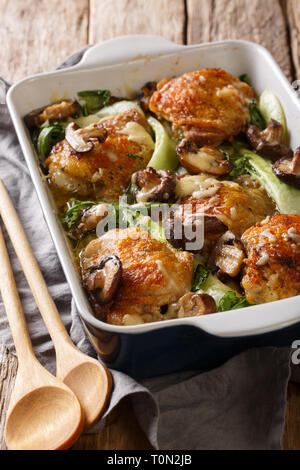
x: 36, y: 35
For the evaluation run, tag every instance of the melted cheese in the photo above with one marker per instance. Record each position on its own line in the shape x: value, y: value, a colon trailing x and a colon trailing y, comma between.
x: 138, y: 134
x: 204, y: 161
x: 111, y: 155
x: 268, y: 234
x: 264, y: 258
x: 198, y: 186
x: 143, y: 195
x: 170, y: 282
x: 293, y: 235
x: 133, y: 319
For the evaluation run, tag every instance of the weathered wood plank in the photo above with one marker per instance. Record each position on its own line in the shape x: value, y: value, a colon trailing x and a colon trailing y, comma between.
x: 291, y: 436
x: 261, y: 22
x: 121, y: 432
x: 293, y: 18
x: 8, y: 371
x: 111, y: 18
x: 37, y: 35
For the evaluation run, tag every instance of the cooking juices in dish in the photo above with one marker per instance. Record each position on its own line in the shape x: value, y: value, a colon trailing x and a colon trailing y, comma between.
x: 183, y: 202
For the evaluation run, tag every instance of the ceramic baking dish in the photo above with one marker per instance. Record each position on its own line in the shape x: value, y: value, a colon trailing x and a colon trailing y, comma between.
x: 123, y: 65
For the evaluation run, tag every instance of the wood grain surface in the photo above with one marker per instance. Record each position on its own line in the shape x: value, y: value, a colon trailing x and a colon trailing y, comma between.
x: 259, y: 21
x: 111, y: 18
x: 8, y: 372
x: 36, y: 35
x: 292, y: 10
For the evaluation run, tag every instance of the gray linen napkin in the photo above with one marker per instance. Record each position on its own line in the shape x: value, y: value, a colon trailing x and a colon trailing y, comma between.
x: 240, y: 405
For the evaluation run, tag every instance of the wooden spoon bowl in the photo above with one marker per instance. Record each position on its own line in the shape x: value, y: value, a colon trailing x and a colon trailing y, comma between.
x: 43, y: 412
x: 45, y: 418
x: 86, y: 377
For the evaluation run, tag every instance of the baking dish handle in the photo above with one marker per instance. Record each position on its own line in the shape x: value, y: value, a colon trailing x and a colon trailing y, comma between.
x: 126, y: 48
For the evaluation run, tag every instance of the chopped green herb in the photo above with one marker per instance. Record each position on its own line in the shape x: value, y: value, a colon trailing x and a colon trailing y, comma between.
x: 136, y: 157
x: 129, y: 193
x: 239, y: 162
x: 256, y: 117
x: 49, y: 136
x: 200, y: 275
x: 239, y: 166
x: 94, y: 100
x: 245, y: 78
x: 230, y: 301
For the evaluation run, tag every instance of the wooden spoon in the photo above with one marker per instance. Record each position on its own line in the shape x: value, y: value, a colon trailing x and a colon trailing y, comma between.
x: 88, y: 378
x: 43, y: 413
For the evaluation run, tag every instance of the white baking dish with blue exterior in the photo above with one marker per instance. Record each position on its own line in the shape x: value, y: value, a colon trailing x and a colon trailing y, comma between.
x: 123, y: 65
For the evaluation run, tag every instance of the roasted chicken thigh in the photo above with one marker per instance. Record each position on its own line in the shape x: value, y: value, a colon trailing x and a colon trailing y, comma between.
x: 105, y: 170
x: 154, y: 274
x: 236, y: 206
x: 205, y: 106
x: 272, y: 268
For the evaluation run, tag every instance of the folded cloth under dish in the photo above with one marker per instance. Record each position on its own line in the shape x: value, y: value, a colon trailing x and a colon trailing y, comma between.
x: 240, y: 405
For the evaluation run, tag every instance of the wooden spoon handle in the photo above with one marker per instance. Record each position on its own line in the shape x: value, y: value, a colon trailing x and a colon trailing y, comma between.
x: 13, y: 306
x: 31, y: 268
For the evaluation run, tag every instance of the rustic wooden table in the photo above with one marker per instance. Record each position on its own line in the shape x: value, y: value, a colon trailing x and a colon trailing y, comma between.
x: 36, y: 35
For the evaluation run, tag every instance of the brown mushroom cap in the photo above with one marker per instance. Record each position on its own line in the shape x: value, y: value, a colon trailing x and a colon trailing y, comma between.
x: 178, y: 227
x: 154, y: 185
x: 213, y: 227
x: 228, y: 255
x: 104, y: 279
x: 288, y: 169
x: 206, y: 159
x: 54, y: 112
x: 195, y: 304
x: 267, y: 143
x: 82, y: 139
x: 89, y: 220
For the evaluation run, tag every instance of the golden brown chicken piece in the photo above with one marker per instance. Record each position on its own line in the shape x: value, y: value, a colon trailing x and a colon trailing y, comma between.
x: 238, y: 207
x: 154, y: 274
x: 105, y: 170
x: 206, y: 106
x: 272, y: 270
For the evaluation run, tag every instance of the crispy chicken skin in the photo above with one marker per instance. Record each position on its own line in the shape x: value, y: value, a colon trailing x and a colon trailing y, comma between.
x: 272, y: 269
x: 206, y: 106
x: 238, y: 207
x: 105, y: 170
x: 154, y: 274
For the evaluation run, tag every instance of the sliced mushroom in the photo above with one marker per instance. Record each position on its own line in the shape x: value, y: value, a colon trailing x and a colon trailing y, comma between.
x: 82, y: 139
x: 188, y: 231
x: 192, y: 305
x: 213, y: 227
x: 206, y: 159
x: 268, y: 142
x: 53, y: 112
x: 104, y: 279
x: 228, y: 255
x: 288, y: 169
x: 148, y: 89
x: 152, y: 185
x: 89, y: 220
